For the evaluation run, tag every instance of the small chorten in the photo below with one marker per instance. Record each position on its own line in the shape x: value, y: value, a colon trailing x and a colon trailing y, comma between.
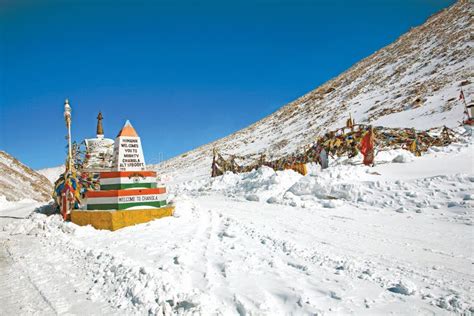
x: 99, y: 150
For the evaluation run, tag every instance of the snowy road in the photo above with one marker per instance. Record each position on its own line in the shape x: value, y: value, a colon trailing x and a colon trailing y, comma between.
x: 33, y: 280
x: 18, y: 293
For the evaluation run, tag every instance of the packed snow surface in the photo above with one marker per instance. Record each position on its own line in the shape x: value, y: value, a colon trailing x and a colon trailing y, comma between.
x: 349, y: 239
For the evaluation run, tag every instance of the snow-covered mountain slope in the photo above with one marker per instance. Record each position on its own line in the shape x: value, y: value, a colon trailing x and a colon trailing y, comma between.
x: 413, y: 82
x: 18, y: 181
x: 52, y: 174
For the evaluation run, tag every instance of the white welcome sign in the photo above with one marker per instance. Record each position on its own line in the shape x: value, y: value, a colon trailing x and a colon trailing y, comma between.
x: 128, y: 150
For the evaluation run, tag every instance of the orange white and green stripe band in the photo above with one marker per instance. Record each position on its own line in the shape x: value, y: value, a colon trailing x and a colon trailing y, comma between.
x: 126, y: 199
x: 127, y: 180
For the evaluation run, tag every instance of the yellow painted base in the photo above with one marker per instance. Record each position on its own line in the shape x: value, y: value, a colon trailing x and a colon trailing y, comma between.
x: 113, y: 220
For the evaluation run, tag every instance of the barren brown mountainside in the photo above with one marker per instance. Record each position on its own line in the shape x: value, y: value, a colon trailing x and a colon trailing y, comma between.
x: 18, y: 181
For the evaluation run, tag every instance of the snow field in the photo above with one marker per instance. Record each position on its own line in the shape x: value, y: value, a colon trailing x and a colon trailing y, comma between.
x: 348, y: 239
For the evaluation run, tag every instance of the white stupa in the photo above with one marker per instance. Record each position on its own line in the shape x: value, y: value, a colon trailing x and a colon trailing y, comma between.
x: 99, y: 151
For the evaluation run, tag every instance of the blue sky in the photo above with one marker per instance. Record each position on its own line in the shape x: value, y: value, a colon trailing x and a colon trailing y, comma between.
x: 183, y: 72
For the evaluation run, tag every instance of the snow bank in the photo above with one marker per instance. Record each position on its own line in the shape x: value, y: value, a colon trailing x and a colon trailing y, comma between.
x: 347, y: 181
x: 129, y: 286
x: 263, y: 184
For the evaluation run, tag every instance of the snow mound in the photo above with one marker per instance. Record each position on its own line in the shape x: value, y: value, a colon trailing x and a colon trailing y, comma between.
x: 404, y: 287
x: 403, y: 157
x: 259, y: 185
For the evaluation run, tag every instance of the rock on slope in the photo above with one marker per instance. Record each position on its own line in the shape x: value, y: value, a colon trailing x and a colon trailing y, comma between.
x: 413, y: 82
x: 18, y: 181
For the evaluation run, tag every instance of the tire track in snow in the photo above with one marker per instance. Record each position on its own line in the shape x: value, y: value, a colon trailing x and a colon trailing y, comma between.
x: 19, y: 295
